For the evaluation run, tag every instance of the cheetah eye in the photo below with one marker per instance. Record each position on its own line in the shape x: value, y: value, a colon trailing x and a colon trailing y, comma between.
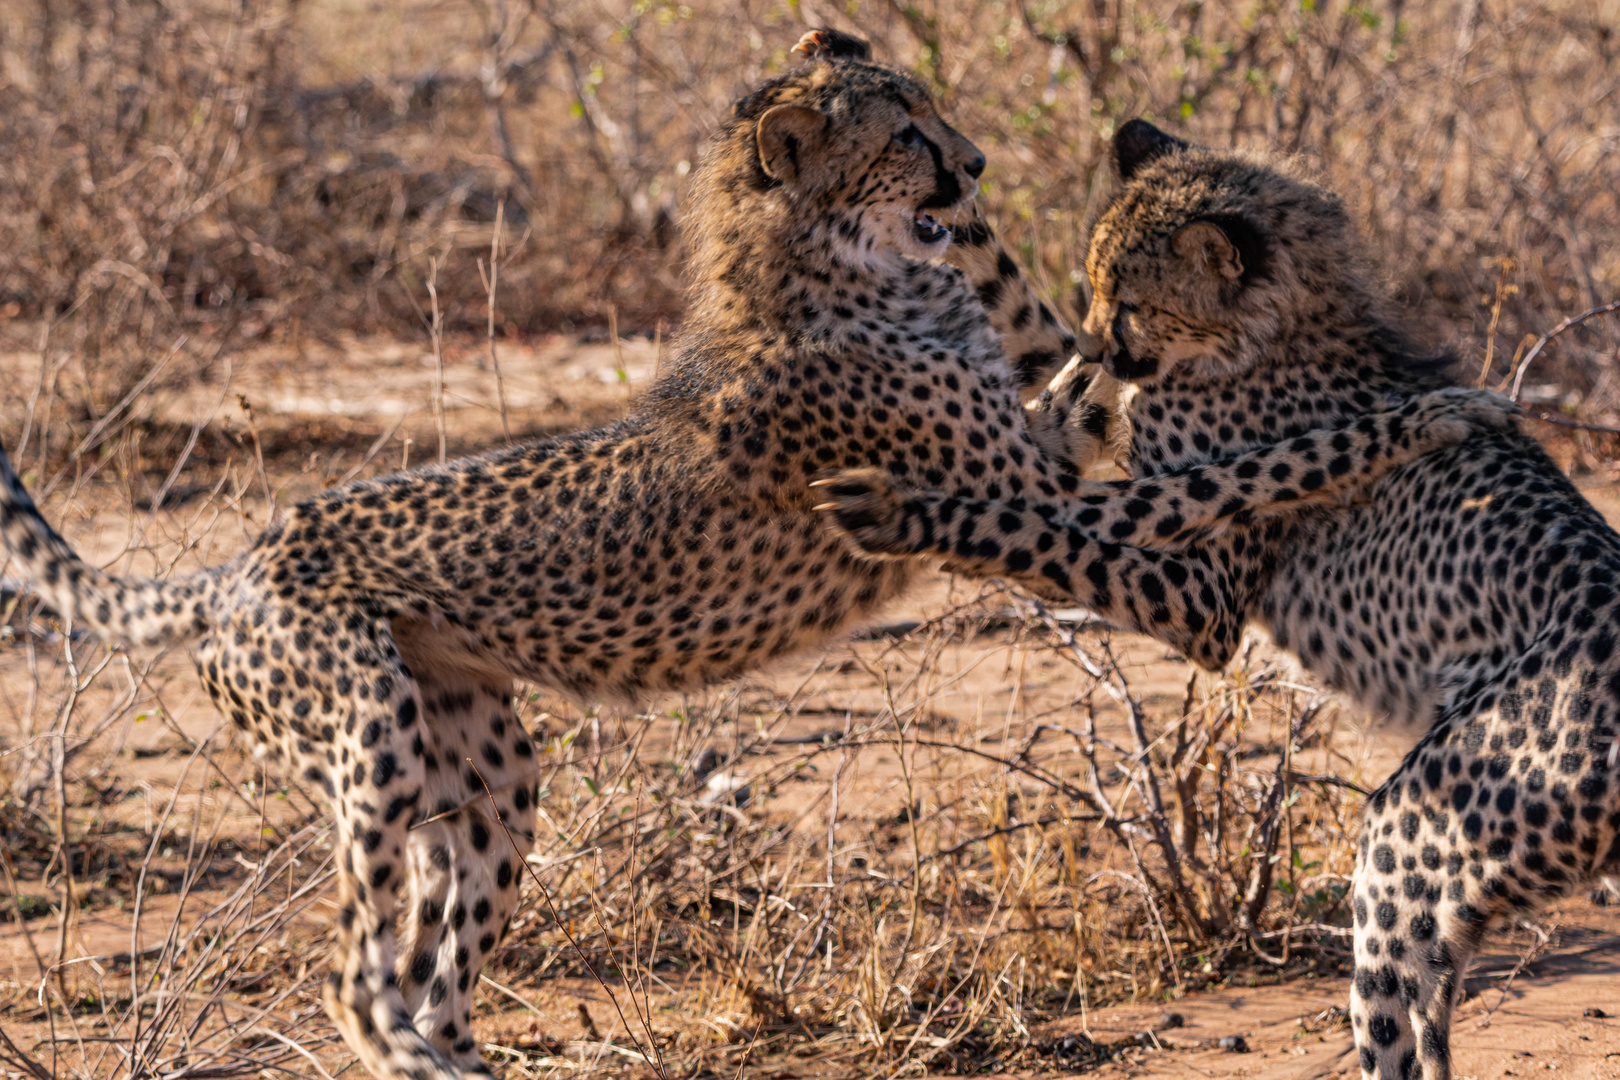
x: 1121, y: 314
x: 910, y: 136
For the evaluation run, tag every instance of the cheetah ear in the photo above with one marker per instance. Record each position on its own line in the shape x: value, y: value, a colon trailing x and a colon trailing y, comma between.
x: 825, y: 43
x: 1206, y: 245
x: 1138, y: 142
x: 787, y: 136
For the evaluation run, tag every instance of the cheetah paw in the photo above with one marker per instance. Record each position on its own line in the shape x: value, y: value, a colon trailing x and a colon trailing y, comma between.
x: 864, y: 505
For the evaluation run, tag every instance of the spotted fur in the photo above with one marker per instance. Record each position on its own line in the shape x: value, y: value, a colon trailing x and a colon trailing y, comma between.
x: 1475, y: 592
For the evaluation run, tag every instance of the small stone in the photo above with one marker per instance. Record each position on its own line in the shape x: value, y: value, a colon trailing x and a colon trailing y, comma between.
x: 1171, y: 1020
x: 1235, y: 1043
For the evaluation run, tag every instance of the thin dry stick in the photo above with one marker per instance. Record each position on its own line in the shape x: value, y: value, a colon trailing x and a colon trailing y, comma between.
x: 258, y: 453
x: 93, y: 439
x: 618, y: 347
x: 644, y: 1006
x: 1005, y: 830
x: 1541, y: 342
x: 45, y: 376
x: 916, y: 842
x: 1533, y: 950
x: 491, y: 281
x: 376, y: 447
x: 1505, y: 265
x: 641, y: 1005
x: 311, y: 1058
x: 436, y: 329
x: 59, y: 766
x: 15, y: 1055
x: 656, y: 1057
x: 22, y: 918
x: 185, y: 453
x: 1548, y: 418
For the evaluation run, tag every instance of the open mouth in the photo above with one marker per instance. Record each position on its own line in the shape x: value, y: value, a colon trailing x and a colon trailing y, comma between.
x: 927, y: 229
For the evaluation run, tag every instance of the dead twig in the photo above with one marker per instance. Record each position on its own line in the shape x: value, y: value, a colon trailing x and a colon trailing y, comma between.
x: 1541, y: 342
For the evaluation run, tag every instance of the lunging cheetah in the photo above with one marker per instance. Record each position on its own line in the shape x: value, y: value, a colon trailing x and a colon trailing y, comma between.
x: 373, y: 636
x: 1476, y: 592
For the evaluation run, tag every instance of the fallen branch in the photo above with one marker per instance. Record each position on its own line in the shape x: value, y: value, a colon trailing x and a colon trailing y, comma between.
x: 1548, y: 418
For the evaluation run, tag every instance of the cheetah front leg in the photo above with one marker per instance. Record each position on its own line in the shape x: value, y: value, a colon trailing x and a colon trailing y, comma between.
x: 1330, y: 466
x: 1186, y: 600
x: 1167, y: 511
x: 1043, y: 351
x: 1089, y: 548
x: 1036, y: 342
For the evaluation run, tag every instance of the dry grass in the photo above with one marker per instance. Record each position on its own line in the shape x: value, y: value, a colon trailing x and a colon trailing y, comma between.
x: 213, y: 171
x: 896, y: 857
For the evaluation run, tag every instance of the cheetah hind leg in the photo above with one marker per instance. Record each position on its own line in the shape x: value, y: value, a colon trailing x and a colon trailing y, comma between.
x: 376, y: 775
x: 463, y: 867
x: 1418, y: 924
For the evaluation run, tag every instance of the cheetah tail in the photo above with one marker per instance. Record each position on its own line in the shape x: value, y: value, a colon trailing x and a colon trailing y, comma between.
x: 121, y: 611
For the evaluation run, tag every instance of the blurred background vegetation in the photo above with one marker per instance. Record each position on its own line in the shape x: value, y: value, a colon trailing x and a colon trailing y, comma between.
x: 233, y: 170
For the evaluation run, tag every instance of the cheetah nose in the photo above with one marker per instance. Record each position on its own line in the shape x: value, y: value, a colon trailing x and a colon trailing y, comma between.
x: 974, y: 166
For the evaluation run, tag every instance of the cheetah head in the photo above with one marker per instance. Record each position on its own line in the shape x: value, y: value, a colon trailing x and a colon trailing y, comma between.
x: 1202, y: 259
x: 847, y: 154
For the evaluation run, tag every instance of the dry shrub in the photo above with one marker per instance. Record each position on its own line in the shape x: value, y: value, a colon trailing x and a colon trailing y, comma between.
x: 202, y: 166
x: 1145, y: 856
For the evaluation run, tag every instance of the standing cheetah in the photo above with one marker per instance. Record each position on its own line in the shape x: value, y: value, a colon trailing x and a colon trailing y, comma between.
x: 1476, y: 593
x: 372, y: 637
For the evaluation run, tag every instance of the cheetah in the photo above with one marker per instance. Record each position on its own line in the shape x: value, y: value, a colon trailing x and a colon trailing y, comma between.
x: 372, y: 637
x: 1474, y: 593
